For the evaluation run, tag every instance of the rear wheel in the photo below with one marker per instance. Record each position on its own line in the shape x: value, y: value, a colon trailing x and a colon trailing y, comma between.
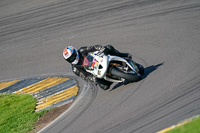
x: 133, y: 77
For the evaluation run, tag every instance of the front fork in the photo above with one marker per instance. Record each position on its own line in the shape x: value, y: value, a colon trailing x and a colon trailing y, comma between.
x: 134, y: 65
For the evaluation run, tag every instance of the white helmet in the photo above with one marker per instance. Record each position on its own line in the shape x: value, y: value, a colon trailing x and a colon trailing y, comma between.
x: 71, y: 55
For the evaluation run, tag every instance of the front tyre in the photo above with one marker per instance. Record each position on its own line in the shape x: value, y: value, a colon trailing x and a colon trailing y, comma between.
x: 128, y: 76
x: 141, y: 68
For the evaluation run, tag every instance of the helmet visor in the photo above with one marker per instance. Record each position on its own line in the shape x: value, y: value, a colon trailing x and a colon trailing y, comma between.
x: 72, y: 57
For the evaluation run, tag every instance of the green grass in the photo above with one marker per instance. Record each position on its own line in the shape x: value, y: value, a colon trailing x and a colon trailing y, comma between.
x: 191, y: 127
x: 17, y: 113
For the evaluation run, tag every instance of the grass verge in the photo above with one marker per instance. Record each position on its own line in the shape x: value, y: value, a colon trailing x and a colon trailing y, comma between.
x: 192, y: 126
x: 17, y: 113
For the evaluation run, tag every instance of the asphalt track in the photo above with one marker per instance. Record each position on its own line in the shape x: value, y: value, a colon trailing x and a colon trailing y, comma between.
x: 162, y: 35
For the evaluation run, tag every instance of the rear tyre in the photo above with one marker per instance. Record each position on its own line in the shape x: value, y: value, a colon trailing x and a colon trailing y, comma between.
x: 128, y: 76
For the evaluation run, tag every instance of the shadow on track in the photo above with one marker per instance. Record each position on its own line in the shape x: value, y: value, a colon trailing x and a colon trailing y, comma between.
x: 147, y: 71
x: 150, y: 69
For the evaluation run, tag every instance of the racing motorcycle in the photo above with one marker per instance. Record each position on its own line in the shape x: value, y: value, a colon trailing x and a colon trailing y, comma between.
x: 112, y: 68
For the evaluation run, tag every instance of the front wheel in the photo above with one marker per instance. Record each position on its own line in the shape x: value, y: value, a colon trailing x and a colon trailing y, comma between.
x: 141, y: 68
x: 128, y: 76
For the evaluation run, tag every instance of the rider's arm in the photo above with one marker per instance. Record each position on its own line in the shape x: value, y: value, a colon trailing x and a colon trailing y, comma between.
x: 79, y: 71
x: 82, y: 73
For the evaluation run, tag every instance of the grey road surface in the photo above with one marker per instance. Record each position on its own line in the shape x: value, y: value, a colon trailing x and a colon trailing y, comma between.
x: 162, y: 35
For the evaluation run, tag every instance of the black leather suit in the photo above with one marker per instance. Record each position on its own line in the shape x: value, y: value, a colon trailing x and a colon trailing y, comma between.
x: 83, y: 52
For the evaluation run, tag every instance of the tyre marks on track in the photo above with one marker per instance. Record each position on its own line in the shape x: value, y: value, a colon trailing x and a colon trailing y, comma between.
x: 94, y: 91
x: 136, y: 87
x: 187, y: 96
x: 87, y: 98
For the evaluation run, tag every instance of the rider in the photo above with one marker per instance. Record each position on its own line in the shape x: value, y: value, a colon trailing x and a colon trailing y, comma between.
x: 75, y: 58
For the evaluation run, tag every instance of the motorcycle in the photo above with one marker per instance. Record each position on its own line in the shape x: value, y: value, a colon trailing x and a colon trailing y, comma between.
x: 112, y: 68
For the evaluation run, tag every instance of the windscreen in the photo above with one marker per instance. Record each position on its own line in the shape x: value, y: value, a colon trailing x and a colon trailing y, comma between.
x: 88, y: 63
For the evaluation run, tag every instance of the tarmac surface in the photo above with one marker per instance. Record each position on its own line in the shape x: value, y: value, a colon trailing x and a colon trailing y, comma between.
x: 162, y: 35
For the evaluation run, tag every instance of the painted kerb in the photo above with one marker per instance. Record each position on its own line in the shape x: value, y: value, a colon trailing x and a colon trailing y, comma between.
x: 50, y: 92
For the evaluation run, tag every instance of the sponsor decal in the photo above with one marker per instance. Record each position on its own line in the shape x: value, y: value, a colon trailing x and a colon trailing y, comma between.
x: 99, y: 72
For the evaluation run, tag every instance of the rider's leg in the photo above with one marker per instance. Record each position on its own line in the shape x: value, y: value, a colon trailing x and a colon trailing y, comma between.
x: 109, y: 49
